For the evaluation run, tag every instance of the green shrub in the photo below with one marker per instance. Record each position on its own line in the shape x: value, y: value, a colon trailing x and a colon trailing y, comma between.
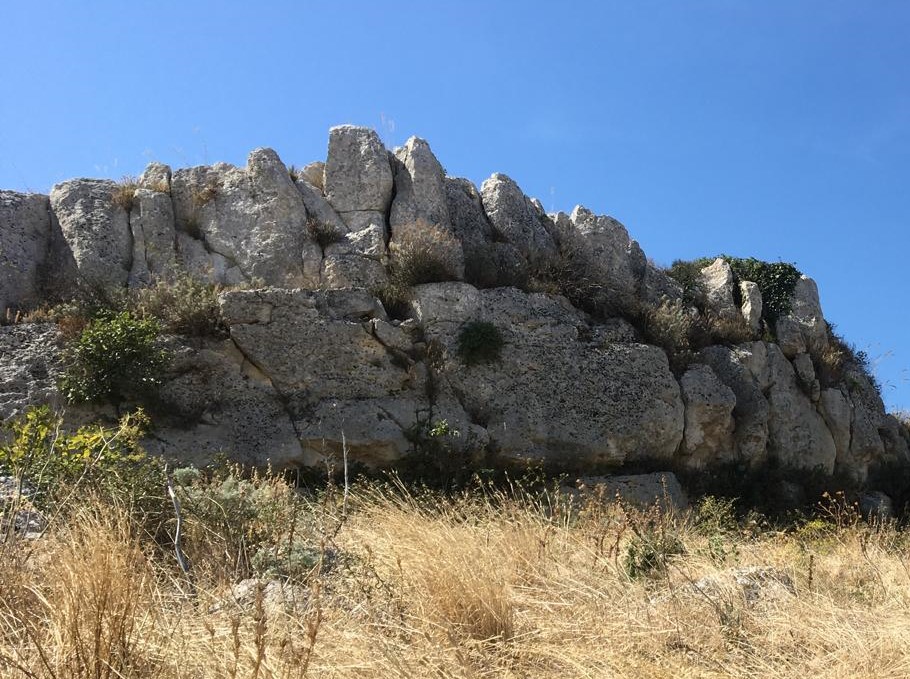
x: 776, y: 280
x: 115, y: 357
x: 106, y: 461
x: 480, y: 342
x: 253, y: 524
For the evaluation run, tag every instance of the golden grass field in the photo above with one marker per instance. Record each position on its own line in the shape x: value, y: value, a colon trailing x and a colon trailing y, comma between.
x: 480, y: 584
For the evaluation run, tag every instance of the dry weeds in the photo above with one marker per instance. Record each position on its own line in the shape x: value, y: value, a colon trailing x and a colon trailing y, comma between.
x: 481, y: 585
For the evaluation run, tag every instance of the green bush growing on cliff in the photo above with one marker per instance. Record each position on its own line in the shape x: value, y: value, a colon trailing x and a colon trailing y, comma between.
x: 115, y: 357
x: 480, y: 342
x: 776, y: 280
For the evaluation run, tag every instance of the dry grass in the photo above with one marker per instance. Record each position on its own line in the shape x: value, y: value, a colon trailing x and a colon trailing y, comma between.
x: 482, y: 585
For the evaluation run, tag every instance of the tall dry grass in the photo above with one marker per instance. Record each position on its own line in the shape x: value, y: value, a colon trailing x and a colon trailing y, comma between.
x: 484, y: 584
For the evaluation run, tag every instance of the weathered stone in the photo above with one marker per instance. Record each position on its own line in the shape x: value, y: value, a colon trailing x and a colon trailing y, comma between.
x: 751, y: 411
x: 797, y: 435
x: 358, y: 176
x: 25, y: 231
x: 30, y: 367
x: 717, y: 282
x: 154, y: 238
x: 620, y: 259
x: 314, y: 173
x: 752, y: 304
x: 420, y: 188
x: 95, y: 229
x: 319, y: 209
x: 515, y: 218
x: 255, y: 218
x: 156, y: 177
x: 657, y: 287
x: 709, y: 427
x: 202, y: 265
x: 805, y: 375
x: 868, y: 415
x: 804, y: 329
x: 553, y: 395
x: 330, y: 370
x: 216, y: 402
x: 837, y: 411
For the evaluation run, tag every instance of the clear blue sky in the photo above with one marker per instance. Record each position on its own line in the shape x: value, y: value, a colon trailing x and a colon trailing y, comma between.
x: 774, y: 128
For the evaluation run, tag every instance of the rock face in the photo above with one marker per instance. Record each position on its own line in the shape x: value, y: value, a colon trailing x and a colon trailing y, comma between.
x: 314, y: 362
x: 621, y: 260
x: 29, y: 367
x: 254, y: 219
x: 709, y: 407
x: 96, y: 230
x: 152, y: 228
x: 553, y: 396
x: 515, y: 218
x: 25, y: 231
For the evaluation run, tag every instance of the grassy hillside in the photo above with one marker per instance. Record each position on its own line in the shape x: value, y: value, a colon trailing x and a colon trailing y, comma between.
x: 387, y: 582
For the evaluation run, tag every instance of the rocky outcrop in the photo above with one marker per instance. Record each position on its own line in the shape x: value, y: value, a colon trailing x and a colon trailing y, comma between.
x: 515, y: 218
x: 620, y: 260
x: 96, y: 231
x: 553, y: 396
x: 803, y: 329
x: 314, y: 362
x: 152, y: 228
x: 254, y: 218
x: 25, y: 232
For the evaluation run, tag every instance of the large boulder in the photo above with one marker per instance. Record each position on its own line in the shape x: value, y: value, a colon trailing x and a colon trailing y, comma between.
x: 803, y: 329
x: 709, y: 428
x: 358, y: 176
x: 620, y: 260
x: 798, y: 437
x: 25, y: 230
x: 553, y: 396
x: 420, y: 188
x: 95, y: 229
x: 717, y: 282
x: 253, y: 217
x: 516, y: 219
x: 751, y: 307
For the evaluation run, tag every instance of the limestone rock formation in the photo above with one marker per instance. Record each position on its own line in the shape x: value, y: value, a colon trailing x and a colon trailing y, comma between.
x: 96, y: 230
x: 313, y: 361
x: 253, y: 218
x: 554, y: 396
x: 709, y: 421
x: 25, y: 232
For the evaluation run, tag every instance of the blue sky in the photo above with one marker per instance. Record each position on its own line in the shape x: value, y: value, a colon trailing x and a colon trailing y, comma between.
x: 775, y: 129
